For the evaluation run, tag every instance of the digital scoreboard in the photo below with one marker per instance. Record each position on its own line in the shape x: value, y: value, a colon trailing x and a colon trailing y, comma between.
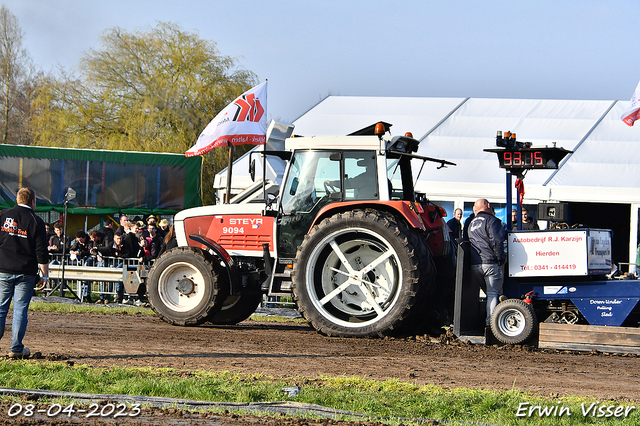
x: 529, y: 158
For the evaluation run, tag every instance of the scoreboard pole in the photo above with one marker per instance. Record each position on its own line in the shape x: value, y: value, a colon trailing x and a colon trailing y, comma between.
x: 517, y: 157
x: 509, y: 206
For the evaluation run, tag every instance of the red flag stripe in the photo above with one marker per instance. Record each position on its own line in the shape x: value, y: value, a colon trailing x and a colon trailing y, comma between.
x: 629, y: 119
x: 234, y: 139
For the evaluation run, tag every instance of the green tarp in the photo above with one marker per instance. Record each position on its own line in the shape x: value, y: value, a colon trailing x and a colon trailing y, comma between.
x: 105, y: 182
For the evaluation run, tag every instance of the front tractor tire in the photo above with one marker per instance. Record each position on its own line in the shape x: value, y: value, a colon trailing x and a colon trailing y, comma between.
x: 185, y: 286
x: 514, y: 322
x: 356, y: 274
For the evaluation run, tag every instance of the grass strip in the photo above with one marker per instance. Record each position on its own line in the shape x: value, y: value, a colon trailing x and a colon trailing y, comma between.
x: 86, y: 308
x: 131, y: 310
x: 390, y: 398
x: 276, y: 318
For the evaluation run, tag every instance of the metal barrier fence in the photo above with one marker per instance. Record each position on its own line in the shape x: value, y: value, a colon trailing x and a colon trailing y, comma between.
x: 88, y: 276
x: 277, y: 302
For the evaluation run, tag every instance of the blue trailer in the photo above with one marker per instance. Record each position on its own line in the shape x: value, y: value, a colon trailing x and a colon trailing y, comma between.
x: 561, y: 287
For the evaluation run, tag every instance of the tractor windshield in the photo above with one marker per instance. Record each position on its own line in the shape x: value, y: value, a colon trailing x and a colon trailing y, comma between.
x: 305, y: 186
x: 317, y: 178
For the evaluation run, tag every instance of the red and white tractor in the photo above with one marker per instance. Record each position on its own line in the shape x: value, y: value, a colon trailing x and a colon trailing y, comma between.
x: 362, y: 253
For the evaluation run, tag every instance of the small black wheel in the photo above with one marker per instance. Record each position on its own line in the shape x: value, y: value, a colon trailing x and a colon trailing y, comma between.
x: 184, y: 286
x: 514, y: 322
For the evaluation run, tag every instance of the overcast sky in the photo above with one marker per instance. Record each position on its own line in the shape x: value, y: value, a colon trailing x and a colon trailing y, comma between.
x: 542, y: 49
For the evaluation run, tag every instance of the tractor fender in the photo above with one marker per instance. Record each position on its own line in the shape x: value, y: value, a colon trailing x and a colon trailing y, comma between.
x: 235, y: 280
x: 406, y: 209
x: 415, y: 216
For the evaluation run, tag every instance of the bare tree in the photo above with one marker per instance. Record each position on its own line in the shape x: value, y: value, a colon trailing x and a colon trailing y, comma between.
x: 14, y: 77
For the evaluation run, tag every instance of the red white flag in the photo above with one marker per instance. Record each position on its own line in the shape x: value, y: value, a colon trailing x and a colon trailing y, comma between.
x: 242, y: 121
x: 632, y: 113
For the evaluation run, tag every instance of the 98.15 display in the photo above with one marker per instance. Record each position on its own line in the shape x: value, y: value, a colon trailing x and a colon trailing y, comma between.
x: 519, y: 159
x: 529, y: 158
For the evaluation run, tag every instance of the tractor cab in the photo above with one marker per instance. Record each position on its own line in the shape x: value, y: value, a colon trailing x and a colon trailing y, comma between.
x: 350, y: 170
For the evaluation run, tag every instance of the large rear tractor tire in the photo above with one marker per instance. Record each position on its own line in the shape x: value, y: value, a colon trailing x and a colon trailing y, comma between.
x: 185, y: 286
x: 236, y: 309
x: 356, y: 274
x: 514, y: 322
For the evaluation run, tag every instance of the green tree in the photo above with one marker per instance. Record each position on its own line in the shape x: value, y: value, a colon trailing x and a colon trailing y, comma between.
x: 151, y: 91
x: 16, y: 80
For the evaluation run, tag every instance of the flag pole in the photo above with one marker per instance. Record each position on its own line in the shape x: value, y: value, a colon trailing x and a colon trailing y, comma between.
x: 229, y: 170
x: 264, y: 162
x: 264, y: 171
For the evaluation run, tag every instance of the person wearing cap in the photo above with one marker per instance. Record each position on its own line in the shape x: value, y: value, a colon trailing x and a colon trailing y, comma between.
x: 141, y: 229
x: 151, y: 219
x: 163, y: 227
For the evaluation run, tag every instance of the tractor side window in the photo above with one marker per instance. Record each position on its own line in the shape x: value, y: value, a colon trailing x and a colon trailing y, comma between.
x: 360, y: 176
x: 394, y: 179
x: 313, y: 176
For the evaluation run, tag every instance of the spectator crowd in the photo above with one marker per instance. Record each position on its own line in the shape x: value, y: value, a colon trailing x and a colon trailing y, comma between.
x: 132, y: 243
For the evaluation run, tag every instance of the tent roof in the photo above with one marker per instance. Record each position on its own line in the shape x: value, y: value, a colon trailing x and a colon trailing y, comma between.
x: 341, y: 115
x: 472, y: 128
x: 603, y: 167
x: 605, y: 158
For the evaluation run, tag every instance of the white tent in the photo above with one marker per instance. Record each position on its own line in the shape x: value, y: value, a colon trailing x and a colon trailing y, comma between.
x: 602, y: 169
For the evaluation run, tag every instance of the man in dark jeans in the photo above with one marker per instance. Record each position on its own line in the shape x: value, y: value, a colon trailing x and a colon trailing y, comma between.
x: 23, y: 248
x: 487, y: 236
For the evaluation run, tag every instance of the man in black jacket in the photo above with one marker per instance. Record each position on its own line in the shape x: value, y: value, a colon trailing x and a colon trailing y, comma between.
x: 487, y: 236
x: 80, y: 249
x: 455, y: 225
x: 23, y: 249
x: 528, y: 224
x: 59, y: 242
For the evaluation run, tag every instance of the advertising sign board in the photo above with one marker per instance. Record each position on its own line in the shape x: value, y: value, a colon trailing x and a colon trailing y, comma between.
x: 573, y: 252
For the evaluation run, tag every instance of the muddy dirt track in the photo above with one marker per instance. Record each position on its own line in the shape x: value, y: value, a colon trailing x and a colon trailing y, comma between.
x: 290, y: 350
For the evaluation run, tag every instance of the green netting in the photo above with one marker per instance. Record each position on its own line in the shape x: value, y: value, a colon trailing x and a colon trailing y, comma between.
x: 105, y: 182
